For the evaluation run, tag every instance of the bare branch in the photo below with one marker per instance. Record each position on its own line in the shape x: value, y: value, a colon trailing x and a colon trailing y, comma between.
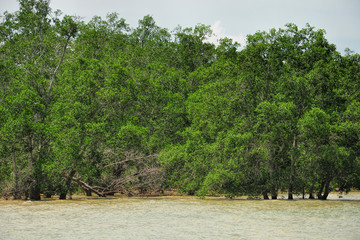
x: 129, y: 160
x: 53, y: 77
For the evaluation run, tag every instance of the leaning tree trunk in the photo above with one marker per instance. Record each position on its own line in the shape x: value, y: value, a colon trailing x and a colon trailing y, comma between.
x: 324, y: 186
x: 86, y: 187
x: 327, y: 190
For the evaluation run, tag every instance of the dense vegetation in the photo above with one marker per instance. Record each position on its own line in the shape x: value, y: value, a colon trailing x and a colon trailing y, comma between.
x: 121, y: 110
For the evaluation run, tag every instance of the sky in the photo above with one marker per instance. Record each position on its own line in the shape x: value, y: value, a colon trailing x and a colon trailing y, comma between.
x: 228, y: 18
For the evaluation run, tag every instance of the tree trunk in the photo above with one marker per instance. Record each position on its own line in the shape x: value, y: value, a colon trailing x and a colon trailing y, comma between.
x: 326, y: 191
x: 17, y: 194
x: 290, y: 194
x: 303, y: 191
x: 35, y: 187
x: 67, y: 185
x: 273, y: 192
x: 319, y: 195
x: 272, y: 169
x: 324, y: 186
x: 34, y: 190
x: 311, y: 190
x: 292, y: 174
x: 265, y: 195
x: 62, y: 195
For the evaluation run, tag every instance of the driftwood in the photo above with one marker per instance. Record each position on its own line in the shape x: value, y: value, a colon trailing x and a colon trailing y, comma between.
x: 87, y: 187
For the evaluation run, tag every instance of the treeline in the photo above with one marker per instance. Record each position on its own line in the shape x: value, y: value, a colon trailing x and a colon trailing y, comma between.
x: 114, y: 109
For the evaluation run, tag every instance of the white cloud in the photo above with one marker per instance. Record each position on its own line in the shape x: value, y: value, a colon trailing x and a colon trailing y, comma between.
x: 219, y: 33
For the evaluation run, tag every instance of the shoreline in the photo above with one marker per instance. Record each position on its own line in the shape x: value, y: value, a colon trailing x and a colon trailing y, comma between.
x: 334, y: 196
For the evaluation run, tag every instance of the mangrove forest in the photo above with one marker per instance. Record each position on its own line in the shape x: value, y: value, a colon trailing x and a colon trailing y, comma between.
x: 105, y: 108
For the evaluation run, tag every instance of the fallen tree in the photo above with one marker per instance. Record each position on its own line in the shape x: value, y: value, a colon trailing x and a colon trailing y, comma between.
x: 87, y: 187
x: 135, y: 174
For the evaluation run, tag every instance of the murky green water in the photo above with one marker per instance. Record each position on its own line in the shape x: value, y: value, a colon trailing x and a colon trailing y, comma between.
x: 180, y: 218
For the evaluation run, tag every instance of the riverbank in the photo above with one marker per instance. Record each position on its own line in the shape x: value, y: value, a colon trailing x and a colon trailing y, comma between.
x: 340, y: 196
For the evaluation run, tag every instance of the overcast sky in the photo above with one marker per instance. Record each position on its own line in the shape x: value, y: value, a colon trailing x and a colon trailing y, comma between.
x: 231, y: 18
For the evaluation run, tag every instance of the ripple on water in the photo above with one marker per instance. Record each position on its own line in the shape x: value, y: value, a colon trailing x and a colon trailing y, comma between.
x: 180, y: 218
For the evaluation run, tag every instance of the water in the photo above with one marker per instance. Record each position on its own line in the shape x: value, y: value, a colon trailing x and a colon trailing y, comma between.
x: 180, y: 218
